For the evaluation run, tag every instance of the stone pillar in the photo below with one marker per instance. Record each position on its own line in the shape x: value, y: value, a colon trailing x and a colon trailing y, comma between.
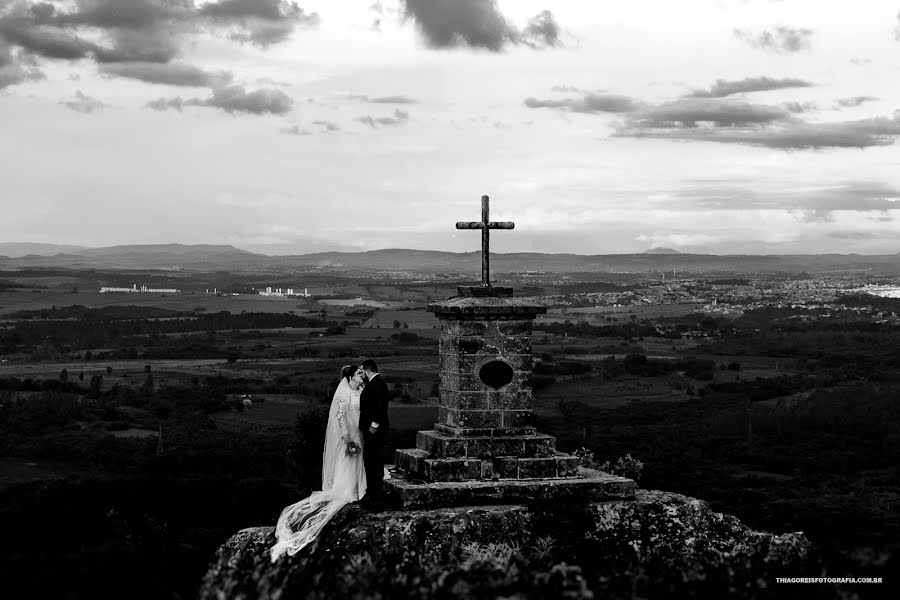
x: 485, y: 368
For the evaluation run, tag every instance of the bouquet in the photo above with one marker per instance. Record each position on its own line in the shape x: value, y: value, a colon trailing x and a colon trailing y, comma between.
x: 353, y: 448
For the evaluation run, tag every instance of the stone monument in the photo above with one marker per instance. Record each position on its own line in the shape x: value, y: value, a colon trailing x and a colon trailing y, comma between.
x: 484, y: 447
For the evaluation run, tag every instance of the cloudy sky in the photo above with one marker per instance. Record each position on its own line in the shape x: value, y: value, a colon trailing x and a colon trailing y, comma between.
x: 722, y: 126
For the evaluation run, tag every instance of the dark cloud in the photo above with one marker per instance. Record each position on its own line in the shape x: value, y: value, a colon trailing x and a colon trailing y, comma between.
x: 542, y: 31
x: 589, y: 103
x: 804, y: 136
x: 236, y: 99
x: 780, y: 40
x: 178, y: 74
x: 152, y: 45
x: 790, y: 136
x: 19, y: 28
x: 83, y: 103
x: 146, y: 30
x: 725, y: 121
x: 399, y: 117
x: 113, y: 14
x: 689, y: 112
x: 16, y: 68
x: 855, y: 101
x: 142, y: 30
x: 800, y: 107
x: 140, y: 39
x: 167, y: 104
x: 477, y: 24
x: 233, y: 99
x: 260, y: 22
x: 711, y: 116
x: 272, y: 10
x: 722, y: 88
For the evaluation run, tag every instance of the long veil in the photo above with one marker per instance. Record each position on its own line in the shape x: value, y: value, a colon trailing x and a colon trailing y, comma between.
x: 333, y: 435
x: 300, y: 523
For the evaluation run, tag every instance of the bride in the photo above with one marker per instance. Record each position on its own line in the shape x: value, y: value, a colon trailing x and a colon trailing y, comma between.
x: 343, y: 473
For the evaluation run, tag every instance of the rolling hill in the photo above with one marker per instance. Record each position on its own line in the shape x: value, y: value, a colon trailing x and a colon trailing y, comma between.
x: 225, y: 257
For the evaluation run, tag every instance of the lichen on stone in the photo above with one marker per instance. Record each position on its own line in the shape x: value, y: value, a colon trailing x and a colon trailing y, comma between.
x: 658, y: 545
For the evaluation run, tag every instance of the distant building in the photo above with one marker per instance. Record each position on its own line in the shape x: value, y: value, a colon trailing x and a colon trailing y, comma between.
x: 284, y: 292
x: 134, y: 289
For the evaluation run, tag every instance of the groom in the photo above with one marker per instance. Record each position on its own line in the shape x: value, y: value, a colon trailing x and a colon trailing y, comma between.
x: 374, y: 424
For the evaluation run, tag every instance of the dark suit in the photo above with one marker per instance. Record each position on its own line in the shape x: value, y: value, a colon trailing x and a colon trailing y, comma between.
x: 373, y: 408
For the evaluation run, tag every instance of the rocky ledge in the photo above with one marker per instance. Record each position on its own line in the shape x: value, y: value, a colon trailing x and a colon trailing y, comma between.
x: 658, y: 545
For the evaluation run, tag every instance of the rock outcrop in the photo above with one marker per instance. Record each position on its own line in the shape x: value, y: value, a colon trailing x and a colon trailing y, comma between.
x: 658, y: 545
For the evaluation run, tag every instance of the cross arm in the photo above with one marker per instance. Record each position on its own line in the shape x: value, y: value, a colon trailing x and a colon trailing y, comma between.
x: 490, y: 225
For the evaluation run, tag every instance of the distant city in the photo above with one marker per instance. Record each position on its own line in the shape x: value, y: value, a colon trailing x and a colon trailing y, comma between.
x: 143, y: 289
x: 134, y: 289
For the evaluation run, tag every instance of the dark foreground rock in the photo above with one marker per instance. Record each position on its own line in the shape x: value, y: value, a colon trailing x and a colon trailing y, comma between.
x: 659, y: 545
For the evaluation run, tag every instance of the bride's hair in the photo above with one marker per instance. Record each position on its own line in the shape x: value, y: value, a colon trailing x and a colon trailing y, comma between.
x: 347, y: 371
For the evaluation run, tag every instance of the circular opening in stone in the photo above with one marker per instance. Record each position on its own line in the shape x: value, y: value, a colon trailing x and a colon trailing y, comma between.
x: 495, y: 374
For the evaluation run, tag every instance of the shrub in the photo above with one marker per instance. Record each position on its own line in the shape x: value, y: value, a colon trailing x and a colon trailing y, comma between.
x: 405, y: 337
x: 625, y: 466
x: 305, y: 452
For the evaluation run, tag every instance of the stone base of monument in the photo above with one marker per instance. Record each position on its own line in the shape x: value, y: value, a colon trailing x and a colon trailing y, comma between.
x: 442, y: 457
x: 456, y: 470
x: 583, y: 485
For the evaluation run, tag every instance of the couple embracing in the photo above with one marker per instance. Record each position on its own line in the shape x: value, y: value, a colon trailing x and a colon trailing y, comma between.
x: 352, y: 464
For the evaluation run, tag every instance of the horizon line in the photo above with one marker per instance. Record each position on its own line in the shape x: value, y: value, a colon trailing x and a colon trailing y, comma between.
x: 654, y: 251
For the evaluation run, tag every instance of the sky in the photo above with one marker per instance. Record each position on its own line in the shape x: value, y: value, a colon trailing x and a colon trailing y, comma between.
x: 712, y: 126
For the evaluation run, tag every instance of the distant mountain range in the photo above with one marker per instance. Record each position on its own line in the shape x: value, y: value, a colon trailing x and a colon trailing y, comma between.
x: 224, y: 257
x: 148, y: 256
x: 16, y: 249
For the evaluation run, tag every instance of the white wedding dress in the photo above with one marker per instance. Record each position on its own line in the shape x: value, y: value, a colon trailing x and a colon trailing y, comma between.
x: 343, y: 478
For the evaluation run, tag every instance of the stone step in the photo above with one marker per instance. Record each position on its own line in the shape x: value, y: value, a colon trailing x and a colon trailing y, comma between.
x: 483, y: 431
x: 411, y: 460
x: 587, y: 485
x: 560, y: 465
x: 457, y: 469
x: 441, y: 445
x: 419, y: 465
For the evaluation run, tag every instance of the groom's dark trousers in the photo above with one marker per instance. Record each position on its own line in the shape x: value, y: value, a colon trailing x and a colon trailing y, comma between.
x: 373, y: 408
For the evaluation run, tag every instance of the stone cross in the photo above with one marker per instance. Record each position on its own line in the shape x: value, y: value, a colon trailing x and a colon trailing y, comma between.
x: 485, y: 226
